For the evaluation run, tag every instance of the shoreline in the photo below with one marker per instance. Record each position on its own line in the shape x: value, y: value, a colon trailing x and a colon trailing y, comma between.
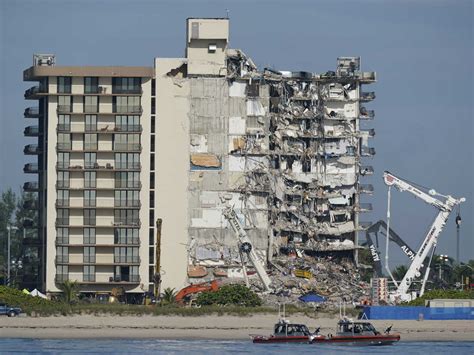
x: 208, y: 327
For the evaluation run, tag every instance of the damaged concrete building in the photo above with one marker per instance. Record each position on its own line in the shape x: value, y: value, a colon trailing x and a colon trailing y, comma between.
x: 283, y: 148
x: 208, y: 130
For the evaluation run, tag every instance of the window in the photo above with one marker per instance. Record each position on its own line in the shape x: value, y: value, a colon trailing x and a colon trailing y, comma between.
x: 130, y: 104
x: 152, y: 180
x: 63, y: 160
x: 64, y: 104
x: 153, y: 105
x: 62, y: 254
x: 62, y: 198
x: 126, y: 255
x: 127, y: 161
x: 91, y: 85
x: 127, y: 198
x: 62, y: 272
x: 64, y: 85
x: 89, y: 254
x: 127, y: 141
x: 63, y: 179
x: 62, y: 235
x: 127, y: 217
x: 89, y: 217
x: 89, y: 273
x: 91, y: 103
x: 91, y: 123
x: 64, y: 122
x: 90, y: 141
x: 152, y: 199
x: 151, y: 215
x: 126, y: 85
x: 64, y: 141
x: 127, y: 179
x: 89, y: 198
x: 62, y: 217
x: 126, y: 236
x: 90, y: 160
x: 90, y: 179
x: 127, y: 123
x: 153, y: 87
x: 89, y: 235
x: 153, y: 123
x: 152, y: 143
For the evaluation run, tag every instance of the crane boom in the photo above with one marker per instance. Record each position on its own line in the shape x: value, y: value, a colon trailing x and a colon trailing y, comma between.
x: 434, y: 231
x: 245, y: 245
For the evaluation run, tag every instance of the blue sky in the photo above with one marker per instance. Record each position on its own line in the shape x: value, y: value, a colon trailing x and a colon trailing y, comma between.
x: 421, y: 50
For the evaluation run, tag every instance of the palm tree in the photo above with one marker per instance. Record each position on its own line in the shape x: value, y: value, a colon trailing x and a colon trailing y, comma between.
x: 69, y: 289
x: 168, y: 296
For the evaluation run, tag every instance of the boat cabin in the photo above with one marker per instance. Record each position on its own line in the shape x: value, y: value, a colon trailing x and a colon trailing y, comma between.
x: 284, y: 329
x: 348, y: 327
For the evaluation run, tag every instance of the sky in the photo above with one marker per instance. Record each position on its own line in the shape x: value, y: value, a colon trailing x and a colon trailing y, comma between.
x: 421, y: 50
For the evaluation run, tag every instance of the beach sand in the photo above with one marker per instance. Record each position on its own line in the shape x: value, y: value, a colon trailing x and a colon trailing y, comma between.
x: 209, y: 327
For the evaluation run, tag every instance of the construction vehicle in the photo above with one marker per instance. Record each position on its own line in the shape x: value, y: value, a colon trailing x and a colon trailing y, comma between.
x: 246, y: 247
x: 184, y: 295
x: 429, y: 243
x: 373, y: 244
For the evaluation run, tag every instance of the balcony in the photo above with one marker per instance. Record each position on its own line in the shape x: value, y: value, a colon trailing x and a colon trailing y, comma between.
x: 62, y: 184
x: 30, y: 168
x: 126, y: 203
x: 127, y: 109
x: 126, y: 241
x: 32, y: 112
x: 88, y: 278
x: 64, y: 109
x: 31, y: 186
x: 125, y: 184
x: 367, y: 96
x: 126, y: 259
x: 122, y: 222
x: 129, y: 147
x: 367, y: 152
x: 31, y: 92
x: 365, y: 114
x: 90, y: 203
x: 91, y: 108
x: 128, y: 128
x: 137, y: 90
x: 64, y: 146
x: 62, y: 259
x: 125, y: 279
x: 366, y: 189
x: 62, y: 222
x: 366, y: 170
x: 128, y: 166
x: 63, y: 127
x: 62, y: 203
x: 31, y: 131
x: 89, y: 259
x: 61, y: 278
x: 31, y: 149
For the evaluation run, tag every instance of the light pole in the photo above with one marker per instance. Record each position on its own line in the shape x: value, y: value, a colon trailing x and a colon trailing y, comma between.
x: 9, y: 229
x: 442, y: 260
x: 458, y: 227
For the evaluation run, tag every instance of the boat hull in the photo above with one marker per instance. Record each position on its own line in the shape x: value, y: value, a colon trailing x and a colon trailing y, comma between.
x: 362, y: 340
x: 259, y: 339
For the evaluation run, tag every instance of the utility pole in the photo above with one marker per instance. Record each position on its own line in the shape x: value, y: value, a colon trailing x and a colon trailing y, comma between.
x: 458, y: 228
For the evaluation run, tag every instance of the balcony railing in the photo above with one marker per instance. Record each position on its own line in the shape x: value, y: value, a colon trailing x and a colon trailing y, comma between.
x: 62, y: 184
x: 119, y: 184
x: 127, y: 109
x: 91, y: 108
x: 62, y: 221
x: 368, y: 132
x: 126, y: 259
x: 367, y: 152
x: 62, y: 259
x: 128, y: 146
x: 366, y: 188
x: 30, y: 168
x: 89, y: 240
x: 64, y: 146
x: 90, y: 127
x: 90, y: 146
x: 31, y: 112
x: 61, y: 278
x: 128, y: 128
x: 366, y: 170
x: 127, y: 203
x: 64, y: 127
x: 64, y: 108
x: 121, y: 90
x: 364, y: 207
x: 125, y: 278
x: 90, y: 203
x: 128, y: 166
x: 88, y: 278
x: 126, y: 222
x: 127, y: 241
x: 31, y: 186
x: 62, y: 240
x: 32, y: 149
x: 89, y: 221
x: 62, y: 203
x: 366, y: 114
x: 31, y: 131
x: 89, y: 259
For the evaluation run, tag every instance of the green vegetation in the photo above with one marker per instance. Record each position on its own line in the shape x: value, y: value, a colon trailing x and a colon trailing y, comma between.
x: 168, y: 296
x: 442, y: 294
x: 70, y: 290
x: 230, y: 295
x: 29, y: 304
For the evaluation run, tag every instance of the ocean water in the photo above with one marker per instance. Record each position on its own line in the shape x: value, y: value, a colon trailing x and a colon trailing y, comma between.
x: 155, y: 346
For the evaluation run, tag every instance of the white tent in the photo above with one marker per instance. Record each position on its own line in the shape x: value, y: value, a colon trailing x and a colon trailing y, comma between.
x: 36, y: 293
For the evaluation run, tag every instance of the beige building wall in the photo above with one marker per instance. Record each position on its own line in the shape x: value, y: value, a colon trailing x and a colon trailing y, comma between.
x: 172, y: 166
